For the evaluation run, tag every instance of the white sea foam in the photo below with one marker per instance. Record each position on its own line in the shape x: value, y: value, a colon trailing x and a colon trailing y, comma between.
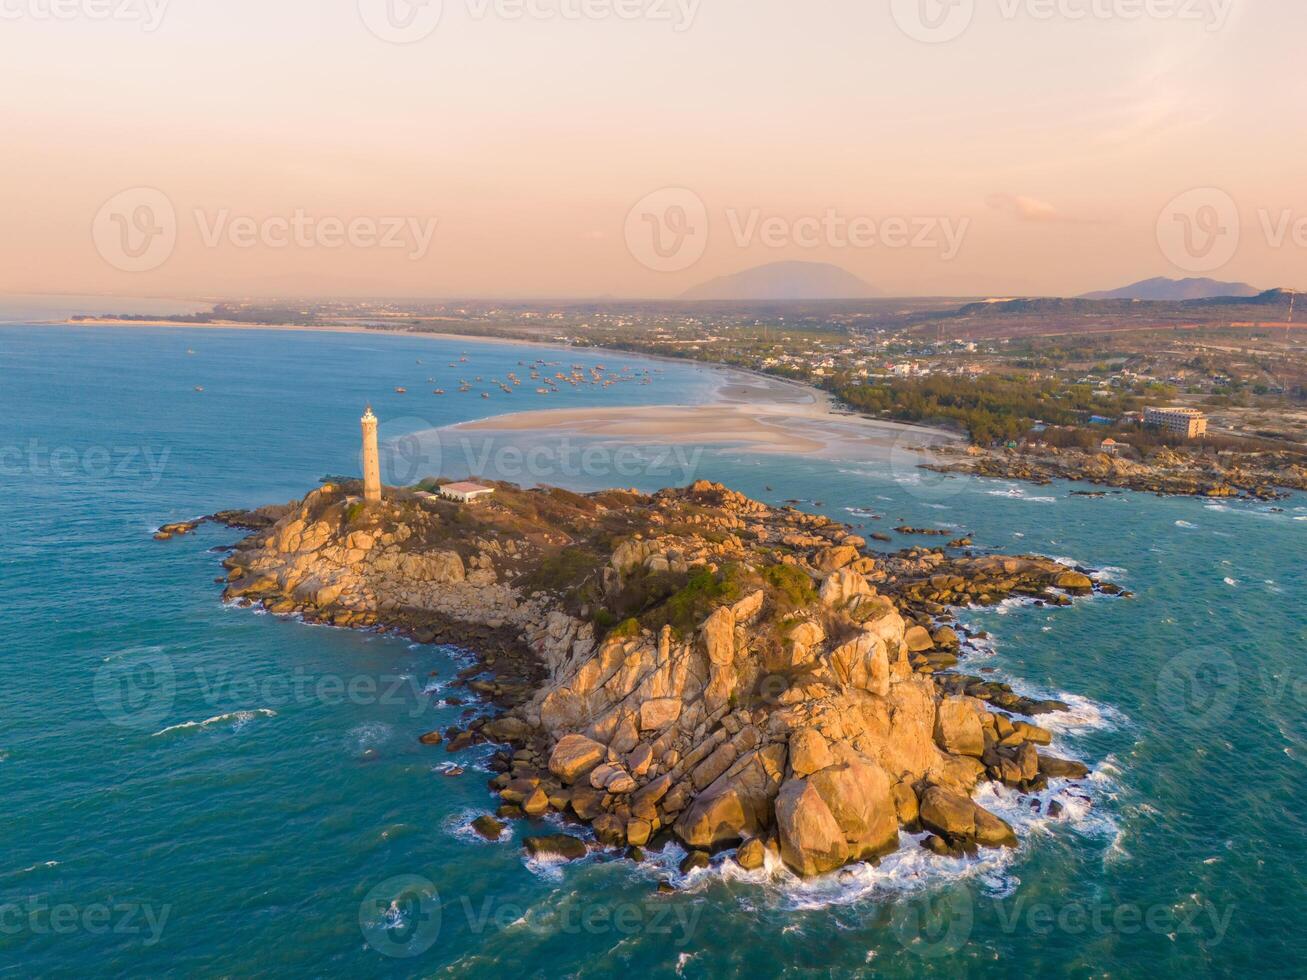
x: 235, y: 720
x: 459, y: 825
x: 1186, y: 525
x: 1018, y: 493
x: 40, y: 866
x: 370, y: 736
x: 1233, y: 583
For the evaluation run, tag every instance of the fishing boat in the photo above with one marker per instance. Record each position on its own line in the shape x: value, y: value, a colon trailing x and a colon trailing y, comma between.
x: 439, y: 391
x: 401, y: 391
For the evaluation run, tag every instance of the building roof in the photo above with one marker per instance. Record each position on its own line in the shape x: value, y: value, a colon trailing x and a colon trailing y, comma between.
x: 466, y: 487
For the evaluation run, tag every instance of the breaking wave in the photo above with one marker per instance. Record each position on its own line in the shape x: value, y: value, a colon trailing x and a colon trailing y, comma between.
x: 235, y: 720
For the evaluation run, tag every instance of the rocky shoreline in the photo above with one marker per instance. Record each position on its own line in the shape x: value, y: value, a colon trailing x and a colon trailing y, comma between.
x: 1166, y: 472
x: 690, y: 665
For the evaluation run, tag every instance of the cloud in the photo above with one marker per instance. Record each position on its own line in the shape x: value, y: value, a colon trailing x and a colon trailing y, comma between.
x: 1032, y: 209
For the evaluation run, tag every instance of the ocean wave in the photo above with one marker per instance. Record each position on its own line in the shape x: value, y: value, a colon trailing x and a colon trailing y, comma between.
x: 1017, y: 493
x: 39, y: 866
x: 367, y: 737
x: 4, y: 755
x: 1186, y: 525
x: 237, y: 720
x: 134, y: 652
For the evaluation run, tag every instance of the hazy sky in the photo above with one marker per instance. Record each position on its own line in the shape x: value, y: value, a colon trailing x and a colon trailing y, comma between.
x: 638, y: 147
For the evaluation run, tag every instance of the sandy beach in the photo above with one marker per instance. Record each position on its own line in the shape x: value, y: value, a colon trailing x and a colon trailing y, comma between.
x: 749, y: 412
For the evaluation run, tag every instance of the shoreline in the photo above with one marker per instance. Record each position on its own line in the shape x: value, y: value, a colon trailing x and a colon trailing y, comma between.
x: 752, y: 411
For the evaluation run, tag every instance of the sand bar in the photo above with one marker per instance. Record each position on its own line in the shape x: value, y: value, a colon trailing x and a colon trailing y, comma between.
x: 750, y: 412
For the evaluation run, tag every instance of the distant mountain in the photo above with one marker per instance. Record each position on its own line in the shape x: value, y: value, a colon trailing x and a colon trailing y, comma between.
x: 1052, y: 306
x: 785, y: 281
x: 1176, y: 290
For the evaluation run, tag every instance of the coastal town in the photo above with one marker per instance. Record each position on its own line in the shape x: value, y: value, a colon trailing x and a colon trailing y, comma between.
x: 1167, y: 397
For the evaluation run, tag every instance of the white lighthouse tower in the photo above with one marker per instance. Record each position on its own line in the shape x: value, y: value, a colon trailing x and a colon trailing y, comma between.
x: 371, y: 459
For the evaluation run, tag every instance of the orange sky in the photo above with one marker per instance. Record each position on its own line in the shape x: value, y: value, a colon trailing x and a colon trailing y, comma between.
x: 1050, y: 149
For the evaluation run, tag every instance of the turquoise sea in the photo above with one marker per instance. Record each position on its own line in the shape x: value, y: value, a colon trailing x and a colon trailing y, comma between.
x: 190, y: 789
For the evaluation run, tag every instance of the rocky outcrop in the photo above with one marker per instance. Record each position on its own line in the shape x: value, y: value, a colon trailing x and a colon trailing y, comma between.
x: 691, y: 663
x: 1182, y: 472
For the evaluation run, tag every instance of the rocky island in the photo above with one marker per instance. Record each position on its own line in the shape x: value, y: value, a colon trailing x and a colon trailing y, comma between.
x: 690, y: 663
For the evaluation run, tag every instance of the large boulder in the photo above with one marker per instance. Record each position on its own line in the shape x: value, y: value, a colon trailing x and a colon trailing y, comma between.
x: 556, y: 846
x: 830, y: 559
x: 738, y: 804
x: 1075, y: 582
x: 718, y: 632
x: 859, y: 796
x: 918, y: 639
x: 812, y: 841
x: 843, y: 585
x: 574, y: 756
x: 862, y: 663
x: 958, y: 729
x: 657, y: 713
x: 809, y: 752
x: 959, y: 819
